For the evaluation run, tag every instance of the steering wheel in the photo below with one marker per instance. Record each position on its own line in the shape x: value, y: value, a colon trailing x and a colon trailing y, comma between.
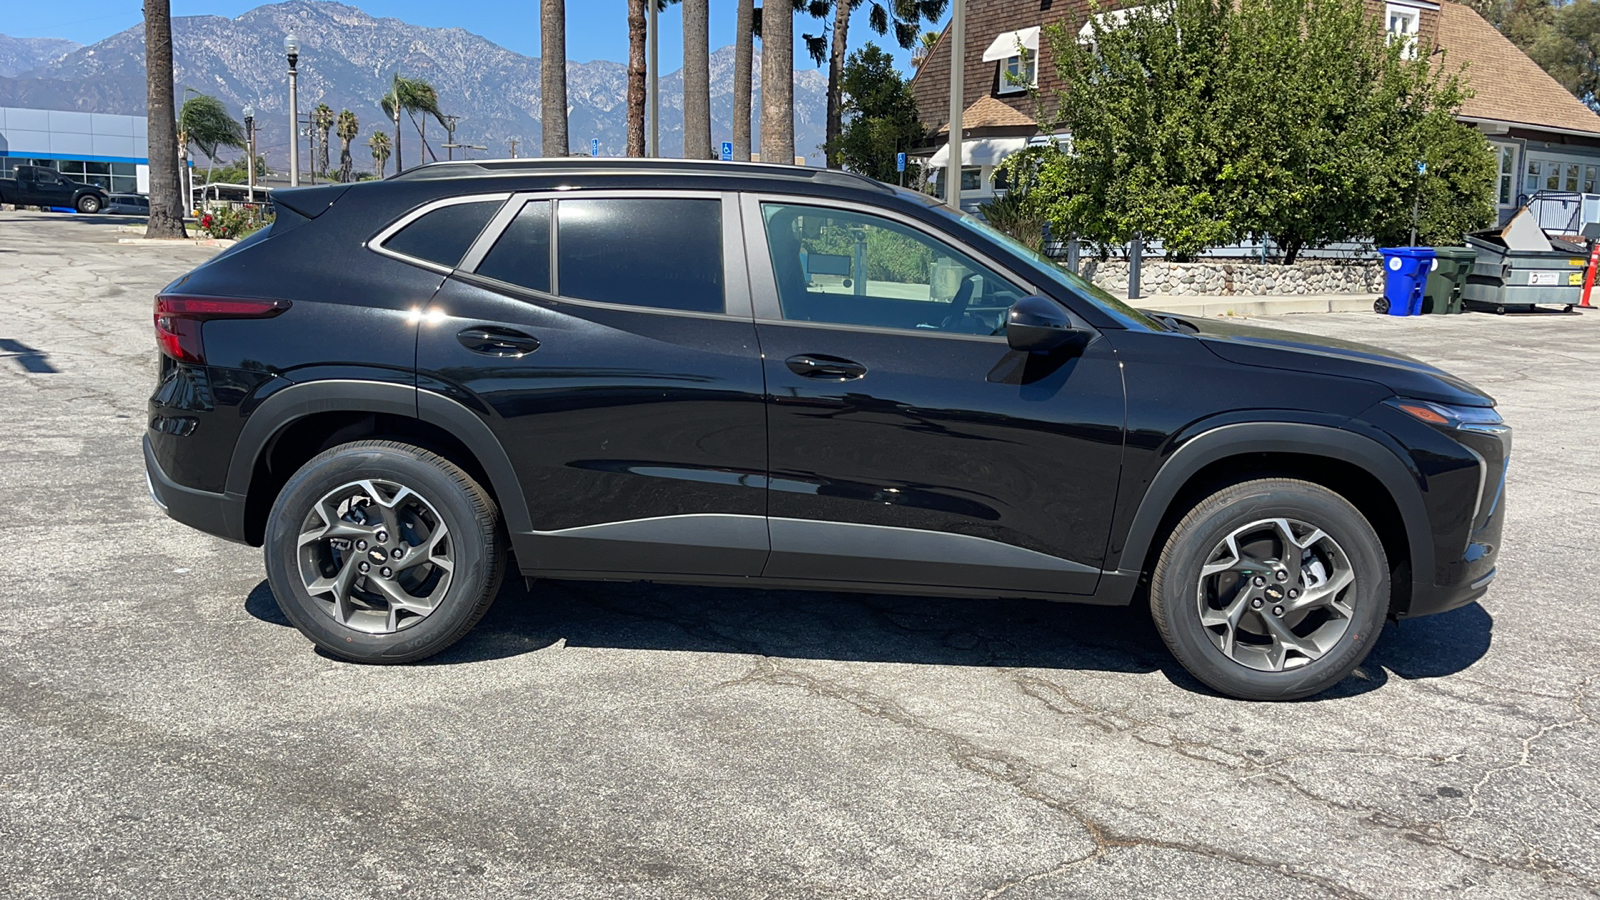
x: 959, y: 303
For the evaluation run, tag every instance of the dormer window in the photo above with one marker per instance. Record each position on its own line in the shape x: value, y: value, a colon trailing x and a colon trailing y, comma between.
x: 1017, y: 52
x: 1402, y: 24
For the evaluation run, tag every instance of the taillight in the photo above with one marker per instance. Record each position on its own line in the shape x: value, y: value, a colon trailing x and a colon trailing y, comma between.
x: 178, y: 319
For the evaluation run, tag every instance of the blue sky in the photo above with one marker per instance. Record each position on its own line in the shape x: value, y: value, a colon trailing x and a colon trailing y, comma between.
x: 596, y: 29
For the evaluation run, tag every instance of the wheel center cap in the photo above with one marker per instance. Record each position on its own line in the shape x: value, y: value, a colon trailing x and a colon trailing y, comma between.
x: 377, y: 555
x: 1274, y: 593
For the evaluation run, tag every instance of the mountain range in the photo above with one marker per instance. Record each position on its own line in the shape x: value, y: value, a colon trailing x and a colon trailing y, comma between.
x: 346, y: 60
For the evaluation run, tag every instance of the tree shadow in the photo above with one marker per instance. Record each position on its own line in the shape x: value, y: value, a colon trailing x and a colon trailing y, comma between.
x: 893, y: 629
x: 32, y: 361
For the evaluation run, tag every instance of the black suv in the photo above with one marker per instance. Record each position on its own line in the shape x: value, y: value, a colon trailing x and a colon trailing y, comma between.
x: 770, y: 376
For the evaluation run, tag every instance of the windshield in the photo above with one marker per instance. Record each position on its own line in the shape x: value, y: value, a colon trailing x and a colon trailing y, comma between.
x: 1048, y: 267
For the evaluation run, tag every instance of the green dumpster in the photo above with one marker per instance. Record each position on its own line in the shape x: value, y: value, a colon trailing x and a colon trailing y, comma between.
x: 1448, y: 278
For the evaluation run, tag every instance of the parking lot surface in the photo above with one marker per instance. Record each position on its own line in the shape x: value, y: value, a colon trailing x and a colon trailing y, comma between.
x: 164, y: 732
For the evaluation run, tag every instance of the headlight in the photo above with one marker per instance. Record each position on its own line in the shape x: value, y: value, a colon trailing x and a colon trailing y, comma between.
x: 1480, y: 419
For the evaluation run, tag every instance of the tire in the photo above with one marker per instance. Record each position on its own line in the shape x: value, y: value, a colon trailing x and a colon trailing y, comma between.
x: 1228, y: 628
x: 89, y: 204
x: 439, y: 528
x: 1380, y: 305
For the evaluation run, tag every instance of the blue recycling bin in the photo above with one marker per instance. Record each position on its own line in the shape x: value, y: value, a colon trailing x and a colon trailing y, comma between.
x: 1405, y: 276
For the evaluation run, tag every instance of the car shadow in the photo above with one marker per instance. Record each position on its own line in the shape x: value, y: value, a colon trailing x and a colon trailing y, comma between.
x: 891, y: 629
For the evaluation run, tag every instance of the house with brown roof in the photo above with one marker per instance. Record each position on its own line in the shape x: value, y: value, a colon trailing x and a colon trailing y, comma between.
x: 1546, y: 139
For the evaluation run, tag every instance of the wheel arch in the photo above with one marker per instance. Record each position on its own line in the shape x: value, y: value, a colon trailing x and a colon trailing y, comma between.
x: 1359, y: 468
x: 295, y: 423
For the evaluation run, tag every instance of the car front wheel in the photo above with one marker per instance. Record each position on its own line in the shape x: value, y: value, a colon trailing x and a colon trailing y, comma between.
x: 89, y: 203
x: 1272, y: 589
x: 382, y: 552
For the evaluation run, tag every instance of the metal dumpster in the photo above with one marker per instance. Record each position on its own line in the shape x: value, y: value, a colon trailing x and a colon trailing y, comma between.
x: 1519, y: 267
x: 1447, y: 279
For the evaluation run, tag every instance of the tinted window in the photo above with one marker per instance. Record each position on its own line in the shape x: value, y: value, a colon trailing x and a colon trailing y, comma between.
x: 854, y: 269
x: 443, y: 235
x: 662, y: 252
x: 521, y: 255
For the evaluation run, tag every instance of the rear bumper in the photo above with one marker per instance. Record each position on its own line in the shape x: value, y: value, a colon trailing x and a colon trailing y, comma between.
x: 218, y: 514
x: 1429, y: 599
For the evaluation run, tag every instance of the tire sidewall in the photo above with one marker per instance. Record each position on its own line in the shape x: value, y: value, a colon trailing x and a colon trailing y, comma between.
x: 89, y: 205
x: 1190, y: 641
x: 342, y: 466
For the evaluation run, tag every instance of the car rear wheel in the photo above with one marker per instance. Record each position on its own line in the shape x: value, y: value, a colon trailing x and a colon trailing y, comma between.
x: 89, y: 203
x: 382, y: 552
x: 1271, y: 590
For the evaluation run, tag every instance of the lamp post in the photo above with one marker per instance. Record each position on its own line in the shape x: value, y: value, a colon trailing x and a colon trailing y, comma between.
x: 250, y: 153
x: 291, y: 46
x: 186, y: 173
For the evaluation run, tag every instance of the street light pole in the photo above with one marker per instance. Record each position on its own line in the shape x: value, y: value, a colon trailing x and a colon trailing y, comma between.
x: 958, y: 51
x: 655, y: 84
x: 250, y: 153
x: 291, y: 46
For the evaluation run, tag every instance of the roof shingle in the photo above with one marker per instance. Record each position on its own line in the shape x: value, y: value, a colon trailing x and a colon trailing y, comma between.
x: 1507, y: 86
x: 990, y: 113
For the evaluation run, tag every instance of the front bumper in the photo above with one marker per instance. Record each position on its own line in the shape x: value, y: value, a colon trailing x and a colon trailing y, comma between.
x: 218, y: 514
x: 1428, y: 599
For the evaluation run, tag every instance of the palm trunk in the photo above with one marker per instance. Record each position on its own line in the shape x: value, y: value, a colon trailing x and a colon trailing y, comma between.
x: 166, y: 204
x: 345, y: 162
x: 553, y: 76
x: 743, y: 45
x: 696, y: 80
x: 399, y: 156
x: 835, y: 126
x: 636, y: 77
x: 777, y: 82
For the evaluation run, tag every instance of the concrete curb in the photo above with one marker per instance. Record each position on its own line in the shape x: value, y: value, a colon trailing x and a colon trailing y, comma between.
x: 198, y: 242
x: 1265, y: 305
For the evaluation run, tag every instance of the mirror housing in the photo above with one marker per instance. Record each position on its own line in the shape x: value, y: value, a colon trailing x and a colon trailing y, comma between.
x: 1039, y: 325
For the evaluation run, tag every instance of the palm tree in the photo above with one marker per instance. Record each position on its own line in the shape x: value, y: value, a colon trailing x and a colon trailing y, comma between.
x: 379, y: 144
x: 411, y: 96
x: 743, y: 43
x: 636, y: 77
x: 553, y: 76
x: 777, y: 82
x: 166, y: 201
x: 348, y: 129
x: 205, y: 123
x: 322, y: 120
x: 904, y: 15
x: 924, y: 48
x: 696, y: 80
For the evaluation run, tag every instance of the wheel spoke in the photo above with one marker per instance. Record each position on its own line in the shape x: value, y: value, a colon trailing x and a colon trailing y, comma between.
x: 1325, y: 594
x: 1283, y: 640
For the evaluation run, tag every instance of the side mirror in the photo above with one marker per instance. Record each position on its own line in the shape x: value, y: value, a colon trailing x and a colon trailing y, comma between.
x: 1039, y: 325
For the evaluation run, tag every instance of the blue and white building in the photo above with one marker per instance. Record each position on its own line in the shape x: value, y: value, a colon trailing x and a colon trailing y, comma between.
x: 110, y: 151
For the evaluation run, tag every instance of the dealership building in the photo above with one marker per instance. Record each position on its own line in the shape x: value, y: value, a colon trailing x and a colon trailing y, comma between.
x: 109, y: 151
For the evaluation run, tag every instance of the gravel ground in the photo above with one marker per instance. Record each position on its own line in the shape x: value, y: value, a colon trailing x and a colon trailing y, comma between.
x: 165, y: 733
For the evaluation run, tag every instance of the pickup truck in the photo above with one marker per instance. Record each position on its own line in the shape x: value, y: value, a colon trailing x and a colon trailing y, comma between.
x: 41, y: 186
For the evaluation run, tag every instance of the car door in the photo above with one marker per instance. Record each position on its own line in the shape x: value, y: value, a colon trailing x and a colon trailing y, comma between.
x: 52, y: 189
x: 607, y: 341
x: 907, y: 443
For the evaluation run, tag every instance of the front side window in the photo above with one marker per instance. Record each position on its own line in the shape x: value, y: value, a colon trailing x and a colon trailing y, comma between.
x: 849, y: 268
x: 442, y: 235
x: 662, y: 252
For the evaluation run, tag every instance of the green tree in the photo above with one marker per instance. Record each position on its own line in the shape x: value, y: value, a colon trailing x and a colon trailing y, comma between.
x: 1569, y: 49
x: 409, y: 96
x: 349, y: 127
x: 379, y: 145
x: 905, y: 17
x: 881, y: 116
x: 237, y: 172
x: 205, y: 123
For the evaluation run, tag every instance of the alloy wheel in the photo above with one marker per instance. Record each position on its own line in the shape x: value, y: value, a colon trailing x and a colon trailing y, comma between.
x: 1276, y: 594
x: 376, y: 556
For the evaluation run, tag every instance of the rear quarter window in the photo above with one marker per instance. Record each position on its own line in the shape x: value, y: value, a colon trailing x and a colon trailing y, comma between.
x: 442, y: 235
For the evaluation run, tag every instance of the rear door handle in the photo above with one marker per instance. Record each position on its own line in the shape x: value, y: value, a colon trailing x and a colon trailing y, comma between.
x: 817, y: 365
x: 491, y: 341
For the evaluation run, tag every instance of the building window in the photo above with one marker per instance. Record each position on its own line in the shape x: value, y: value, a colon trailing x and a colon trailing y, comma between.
x: 1019, y: 73
x: 1402, y: 28
x: 1531, y: 181
x: 1588, y: 179
x: 1572, y: 177
x: 1508, y: 174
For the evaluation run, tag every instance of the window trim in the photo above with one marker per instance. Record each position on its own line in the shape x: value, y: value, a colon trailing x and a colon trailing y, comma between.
x: 376, y: 242
x: 735, y: 287
x: 764, y: 281
x: 1032, y: 63
x: 1409, y: 39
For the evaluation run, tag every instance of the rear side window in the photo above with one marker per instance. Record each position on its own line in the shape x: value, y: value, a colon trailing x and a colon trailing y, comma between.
x: 521, y: 255
x: 664, y: 252
x: 442, y: 235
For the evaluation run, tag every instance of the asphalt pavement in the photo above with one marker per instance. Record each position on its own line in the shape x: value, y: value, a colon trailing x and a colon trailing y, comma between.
x: 165, y: 733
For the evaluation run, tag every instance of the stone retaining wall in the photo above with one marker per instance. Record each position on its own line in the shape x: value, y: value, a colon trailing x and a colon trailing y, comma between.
x: 1227, y: 278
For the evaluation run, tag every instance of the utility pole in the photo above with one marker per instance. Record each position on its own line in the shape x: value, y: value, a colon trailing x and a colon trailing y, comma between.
x: 958, y: 51
x: 514, y: 142
x: 291, y: 46
x: 655, y: 83
x: 450, y: 136
x: 250, y: 152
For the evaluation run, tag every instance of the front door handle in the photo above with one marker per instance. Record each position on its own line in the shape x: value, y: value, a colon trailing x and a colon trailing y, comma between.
x: 492, y: 341
x: 832, y: 368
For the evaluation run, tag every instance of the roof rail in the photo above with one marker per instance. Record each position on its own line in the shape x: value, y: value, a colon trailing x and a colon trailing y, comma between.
x: 478, y: 168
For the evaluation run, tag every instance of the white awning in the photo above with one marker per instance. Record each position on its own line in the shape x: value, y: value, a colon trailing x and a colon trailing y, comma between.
x: 1005, y: 46
x: 979, y: 152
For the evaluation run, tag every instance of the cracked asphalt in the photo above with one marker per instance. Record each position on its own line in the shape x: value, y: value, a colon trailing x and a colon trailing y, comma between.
x: 164, y: 733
